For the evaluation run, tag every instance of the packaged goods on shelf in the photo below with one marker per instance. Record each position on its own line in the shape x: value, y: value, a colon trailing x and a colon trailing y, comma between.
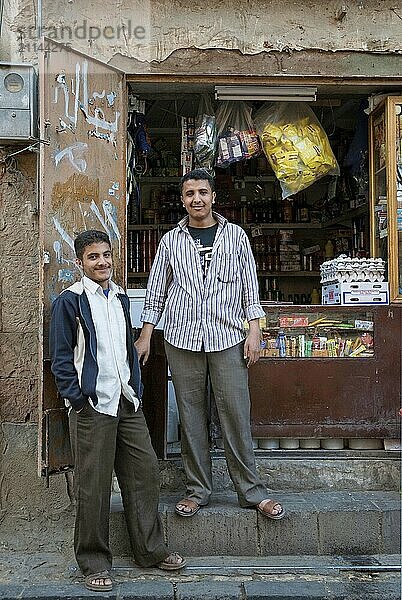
x: 317, y: 336
x: 295, y: 321
x: 301, y: 346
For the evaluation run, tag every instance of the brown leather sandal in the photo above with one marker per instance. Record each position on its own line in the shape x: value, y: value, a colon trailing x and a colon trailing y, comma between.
x: 173, y: 562
x: 265, y: 507
x: 90, y: 582
x: 189, y: 504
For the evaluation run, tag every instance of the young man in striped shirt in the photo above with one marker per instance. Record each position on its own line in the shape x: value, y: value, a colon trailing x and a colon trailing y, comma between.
x: 204, y: 280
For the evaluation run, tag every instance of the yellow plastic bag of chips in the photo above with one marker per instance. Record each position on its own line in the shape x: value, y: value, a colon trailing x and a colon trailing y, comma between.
x: 295, y: 145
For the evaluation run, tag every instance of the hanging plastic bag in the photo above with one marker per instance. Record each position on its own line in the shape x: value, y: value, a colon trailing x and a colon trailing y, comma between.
x: 237, y: 137
x: 205, y: 135
x: 295, y: 144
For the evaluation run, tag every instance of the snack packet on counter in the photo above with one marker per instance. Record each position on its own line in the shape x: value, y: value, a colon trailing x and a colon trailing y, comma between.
x: 295, y: 145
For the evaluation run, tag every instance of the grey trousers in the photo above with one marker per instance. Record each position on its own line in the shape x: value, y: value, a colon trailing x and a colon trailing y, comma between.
x: 229, y: 379
x: 101, y: 443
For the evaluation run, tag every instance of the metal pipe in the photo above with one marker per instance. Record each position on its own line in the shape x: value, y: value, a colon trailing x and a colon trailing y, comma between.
x: 287, y: 569
x: 39, y: 19
x: 1, y: 13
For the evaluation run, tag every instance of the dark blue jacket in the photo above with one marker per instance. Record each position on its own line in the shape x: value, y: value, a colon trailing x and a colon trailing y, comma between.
x: 71, y: 311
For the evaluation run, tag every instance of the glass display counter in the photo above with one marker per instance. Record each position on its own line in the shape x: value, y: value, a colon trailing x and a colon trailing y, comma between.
x: 327, y: 371
x: 317, y: 334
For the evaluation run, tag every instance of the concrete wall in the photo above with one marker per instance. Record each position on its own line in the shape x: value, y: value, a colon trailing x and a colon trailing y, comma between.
x: 176, y: 36
x: 19, y: 295
x: 150, y: 30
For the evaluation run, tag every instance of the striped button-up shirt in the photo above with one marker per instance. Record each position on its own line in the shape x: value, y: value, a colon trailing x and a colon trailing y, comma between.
x: 203, y: 313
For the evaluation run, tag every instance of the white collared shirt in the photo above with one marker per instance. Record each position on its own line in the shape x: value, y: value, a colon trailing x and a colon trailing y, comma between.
x: 111, y: 356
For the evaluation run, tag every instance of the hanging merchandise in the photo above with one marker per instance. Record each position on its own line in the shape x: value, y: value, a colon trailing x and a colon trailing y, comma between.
x: 295, y: 144
x: 187, y: 144
x: 138, y: 131
x: 139, y: 148
x: 237, y: 138
x: 205, y: 135
x: 356, y: 159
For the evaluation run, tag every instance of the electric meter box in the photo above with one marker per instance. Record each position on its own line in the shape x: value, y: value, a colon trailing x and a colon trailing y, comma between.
x: 18, y: 102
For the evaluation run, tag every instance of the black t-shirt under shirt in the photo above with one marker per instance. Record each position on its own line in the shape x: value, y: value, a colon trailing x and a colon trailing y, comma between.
x: 204, y: 239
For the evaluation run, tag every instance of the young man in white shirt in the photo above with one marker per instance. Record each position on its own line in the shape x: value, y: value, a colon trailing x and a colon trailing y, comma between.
x: 96, y: 368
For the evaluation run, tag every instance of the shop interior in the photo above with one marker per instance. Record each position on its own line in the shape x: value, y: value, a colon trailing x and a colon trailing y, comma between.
x: 290, y: 237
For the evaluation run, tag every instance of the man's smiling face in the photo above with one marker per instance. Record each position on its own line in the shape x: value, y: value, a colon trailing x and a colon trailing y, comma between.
x: 198, y: 198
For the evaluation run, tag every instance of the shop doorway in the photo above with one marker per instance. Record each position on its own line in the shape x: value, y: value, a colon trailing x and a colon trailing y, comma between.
x: 85, y: 107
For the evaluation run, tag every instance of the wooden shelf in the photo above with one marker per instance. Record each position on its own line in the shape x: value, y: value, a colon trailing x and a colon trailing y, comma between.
x: 347, y: 216
x: 264, y: 226
x: 160, y: 179
x: 256, y: 178
x: 144, y: 274
x: 288, y: 273
x: 267, y: 226
x: 161, y: 226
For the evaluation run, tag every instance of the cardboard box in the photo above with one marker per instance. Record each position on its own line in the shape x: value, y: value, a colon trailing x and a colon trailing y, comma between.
x: 356, y: 293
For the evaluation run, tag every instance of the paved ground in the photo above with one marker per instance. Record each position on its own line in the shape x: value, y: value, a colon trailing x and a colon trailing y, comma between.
x: 52, y: 575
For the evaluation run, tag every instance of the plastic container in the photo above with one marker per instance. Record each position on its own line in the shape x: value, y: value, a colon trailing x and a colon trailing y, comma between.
x: 289, y: 443
x: 310, y: 443
x: 333, y: 444
x: 268, y: 443
x: 365, y: 444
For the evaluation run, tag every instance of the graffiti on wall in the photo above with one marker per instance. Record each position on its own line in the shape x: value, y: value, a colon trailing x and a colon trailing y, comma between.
x: 85, y: 112
x: 78, y: 101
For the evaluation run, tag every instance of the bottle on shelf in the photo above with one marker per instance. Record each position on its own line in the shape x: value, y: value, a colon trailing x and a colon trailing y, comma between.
x: 287, y: 211
x: 304, y: 209
x: 315, y: 296
x: 270, y: 212
x: 243, y: 209
x: 281, y: 343
x: 329, y: 250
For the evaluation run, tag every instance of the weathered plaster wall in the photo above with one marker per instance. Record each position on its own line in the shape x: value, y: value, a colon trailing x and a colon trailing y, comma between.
x: 19, y: 278
x: 249, y: 26
x: 29, y: 513
x: 32, y: 516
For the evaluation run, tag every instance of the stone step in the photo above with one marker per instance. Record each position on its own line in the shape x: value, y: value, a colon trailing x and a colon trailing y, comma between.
x: 47, y: 576
x: 316, y: 523
x: 301, y: 471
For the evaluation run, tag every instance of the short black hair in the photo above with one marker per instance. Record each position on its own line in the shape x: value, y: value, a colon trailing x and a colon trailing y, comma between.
x: 86, y: 238
x: 198, y: 175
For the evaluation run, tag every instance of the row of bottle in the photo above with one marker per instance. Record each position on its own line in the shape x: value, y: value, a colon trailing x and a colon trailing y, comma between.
x: 263, y: 209
x: 141, y: 250
x: 270, y: 291
x: 164, y: 207
x: 269, y: 254
x: 142, y: 245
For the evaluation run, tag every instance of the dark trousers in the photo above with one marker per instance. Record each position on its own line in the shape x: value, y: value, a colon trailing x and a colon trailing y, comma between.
x: 101, y: 443
x: 229, y: 379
